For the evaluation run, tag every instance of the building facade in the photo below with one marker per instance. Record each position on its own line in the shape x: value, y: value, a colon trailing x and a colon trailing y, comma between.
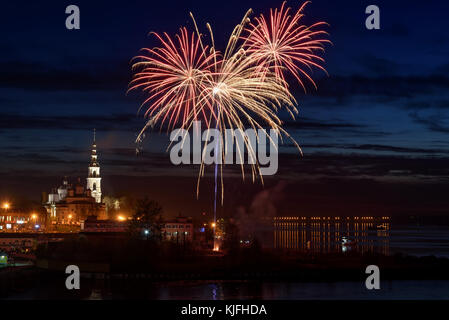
x: 179, y: 229
x: 16, y: 219
x: 93, y: 224
x: 70, y: 204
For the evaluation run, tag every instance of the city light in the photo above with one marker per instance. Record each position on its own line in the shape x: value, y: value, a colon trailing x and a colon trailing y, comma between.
x: 5, y: 205
x: 70, y: 216
x: 121, y: 218
x: 213, y: 224
x: 34, y: 216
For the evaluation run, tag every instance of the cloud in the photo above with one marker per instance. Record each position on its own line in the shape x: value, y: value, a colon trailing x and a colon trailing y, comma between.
x: 397, y: 30
x: 307, y: 123
x: 434, y: 122
x: 39, y: 76
x: 376, y: 148
x: 444, y: 68
x: 77, y: 122
x: 427, y: 103
x: 356, y: 165
x: 379, y: 66
x: 32, y: 158
x: 324, y: 127
x: 381, y: 86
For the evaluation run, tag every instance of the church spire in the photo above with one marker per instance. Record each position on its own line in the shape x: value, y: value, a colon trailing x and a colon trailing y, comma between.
x: 93, y: 156
x: 93, y: 176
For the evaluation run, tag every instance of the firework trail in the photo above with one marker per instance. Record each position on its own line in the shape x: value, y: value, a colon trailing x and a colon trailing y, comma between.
x: 242, y: 93
x: 271, y: 46
x: 243, y: 86
x: 239, y: 92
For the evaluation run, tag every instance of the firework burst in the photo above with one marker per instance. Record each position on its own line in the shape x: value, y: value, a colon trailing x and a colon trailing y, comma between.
x: 282, y: 42
x: 242, y: 95
x: 173, y: 76
x: 242, y: 86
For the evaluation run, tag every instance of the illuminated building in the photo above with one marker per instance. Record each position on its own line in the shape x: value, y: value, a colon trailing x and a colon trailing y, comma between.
x: 13, y: 219
x: 92, y: 224
x: 179, y: 229
x: 70, y: 204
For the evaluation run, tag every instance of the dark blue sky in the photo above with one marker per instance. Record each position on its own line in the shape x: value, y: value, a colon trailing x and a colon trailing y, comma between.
x: 381, y: 114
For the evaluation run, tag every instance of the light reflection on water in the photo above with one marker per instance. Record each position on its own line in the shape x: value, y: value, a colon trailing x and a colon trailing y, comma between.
x: 368, y: 236
x: 363, y: 234
x: 325, y: 290
x: 296, y: 235
x: 241, y: 290
x: 246, y: 290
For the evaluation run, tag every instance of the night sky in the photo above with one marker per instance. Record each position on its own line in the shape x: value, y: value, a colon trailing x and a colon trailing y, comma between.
x: 374, y: 134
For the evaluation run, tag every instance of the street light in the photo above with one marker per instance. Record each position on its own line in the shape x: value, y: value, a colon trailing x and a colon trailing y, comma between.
x: 147, y: 233
x: 5, y: 205
x: 34, y: 219
x: 121, y: 218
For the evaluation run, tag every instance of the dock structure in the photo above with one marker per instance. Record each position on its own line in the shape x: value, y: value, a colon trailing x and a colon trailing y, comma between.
x: 319, y: 234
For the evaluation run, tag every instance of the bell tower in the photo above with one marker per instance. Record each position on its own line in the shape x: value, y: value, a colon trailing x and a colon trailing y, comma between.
x: 93, y: 175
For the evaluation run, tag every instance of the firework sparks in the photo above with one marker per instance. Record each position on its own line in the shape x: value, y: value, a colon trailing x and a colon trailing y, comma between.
x: 245, y: 86
x: 241, y: 92
x: 173, y: 75
x: 281, y: 41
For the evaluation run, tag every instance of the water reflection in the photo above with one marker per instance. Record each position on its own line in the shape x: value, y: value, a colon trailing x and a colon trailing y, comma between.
x: 332, y: 234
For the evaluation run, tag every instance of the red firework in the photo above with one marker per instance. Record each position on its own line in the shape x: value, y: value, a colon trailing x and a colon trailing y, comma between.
x: 174, y: 75
x: 282, y: 43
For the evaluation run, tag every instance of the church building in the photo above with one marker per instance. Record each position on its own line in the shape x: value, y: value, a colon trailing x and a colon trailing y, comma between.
x: 70, y: 204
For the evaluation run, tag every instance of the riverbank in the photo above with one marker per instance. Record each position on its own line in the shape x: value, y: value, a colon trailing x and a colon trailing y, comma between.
x: 264, y: 266
x: 17, y: 279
